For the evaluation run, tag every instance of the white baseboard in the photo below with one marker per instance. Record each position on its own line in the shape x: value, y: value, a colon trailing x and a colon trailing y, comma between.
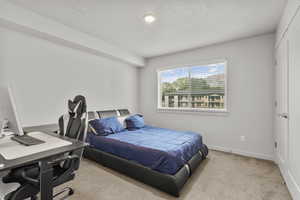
x: 243, y: 153
x: 290, y: 180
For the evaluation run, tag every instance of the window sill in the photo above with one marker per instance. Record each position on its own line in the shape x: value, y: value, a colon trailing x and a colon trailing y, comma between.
x: 217, y: 112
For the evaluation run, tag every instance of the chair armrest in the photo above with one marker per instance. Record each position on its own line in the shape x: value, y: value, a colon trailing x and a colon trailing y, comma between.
x: 72, y: 165
x: 61, y: 159
x: 29, y: 179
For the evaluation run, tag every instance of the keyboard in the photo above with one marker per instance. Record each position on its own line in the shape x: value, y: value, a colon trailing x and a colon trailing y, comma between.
x: 27, y: 140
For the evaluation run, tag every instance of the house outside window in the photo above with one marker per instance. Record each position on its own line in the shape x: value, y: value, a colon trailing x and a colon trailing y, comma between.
x: 193, y: 88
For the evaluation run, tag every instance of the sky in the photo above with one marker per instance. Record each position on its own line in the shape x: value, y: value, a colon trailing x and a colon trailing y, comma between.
x: 196, y: 72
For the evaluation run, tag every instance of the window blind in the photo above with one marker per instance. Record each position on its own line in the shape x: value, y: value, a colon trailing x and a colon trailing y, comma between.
x: 194, y: 87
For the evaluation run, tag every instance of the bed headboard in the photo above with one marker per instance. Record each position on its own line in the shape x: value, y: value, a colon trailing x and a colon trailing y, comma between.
x: 107, y: 113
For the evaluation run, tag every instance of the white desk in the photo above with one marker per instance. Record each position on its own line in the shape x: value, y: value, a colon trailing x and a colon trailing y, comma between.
x: 10, y: 149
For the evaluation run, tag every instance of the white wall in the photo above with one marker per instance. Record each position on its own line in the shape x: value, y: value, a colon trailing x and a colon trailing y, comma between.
x: 44, y: 75
x: 250, y: 84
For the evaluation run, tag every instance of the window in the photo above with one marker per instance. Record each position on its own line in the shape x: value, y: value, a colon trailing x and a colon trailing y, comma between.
x: 193, y: 88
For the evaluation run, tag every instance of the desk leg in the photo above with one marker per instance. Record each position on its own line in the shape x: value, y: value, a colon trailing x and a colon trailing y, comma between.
x: 46, y: 176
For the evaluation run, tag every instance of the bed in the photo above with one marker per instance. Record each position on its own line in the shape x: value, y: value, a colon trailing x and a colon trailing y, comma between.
x: 159, y: 157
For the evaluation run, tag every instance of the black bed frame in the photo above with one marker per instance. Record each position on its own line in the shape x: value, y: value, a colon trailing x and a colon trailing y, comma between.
x: 171, y: 184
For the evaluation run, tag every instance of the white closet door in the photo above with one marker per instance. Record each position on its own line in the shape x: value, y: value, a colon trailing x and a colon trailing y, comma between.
x: 281, y: 94
x: 294, y: 97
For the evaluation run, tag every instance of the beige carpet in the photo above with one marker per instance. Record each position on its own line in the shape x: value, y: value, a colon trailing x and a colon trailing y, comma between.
x: 220, y: 177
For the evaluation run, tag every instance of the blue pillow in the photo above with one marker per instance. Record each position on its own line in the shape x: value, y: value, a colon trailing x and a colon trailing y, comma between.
x: 106, y: 126
x: 135, y: 122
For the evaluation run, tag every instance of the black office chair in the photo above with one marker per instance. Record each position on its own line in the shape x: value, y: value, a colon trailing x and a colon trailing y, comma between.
x: 73, y: 125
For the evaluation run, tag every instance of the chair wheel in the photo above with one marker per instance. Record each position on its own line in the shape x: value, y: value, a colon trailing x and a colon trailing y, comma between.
x: 71, y: 192
x: 67, y: 191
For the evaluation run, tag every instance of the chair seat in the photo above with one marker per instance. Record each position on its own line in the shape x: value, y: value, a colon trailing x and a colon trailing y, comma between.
x: 16, y: 175
x: 32, y: 171
x: 31, y: 189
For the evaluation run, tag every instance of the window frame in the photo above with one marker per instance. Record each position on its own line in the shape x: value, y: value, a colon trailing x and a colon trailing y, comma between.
x: 192, y: 110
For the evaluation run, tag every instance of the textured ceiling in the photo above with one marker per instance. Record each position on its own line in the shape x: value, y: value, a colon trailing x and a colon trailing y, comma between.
x: 180, y: 24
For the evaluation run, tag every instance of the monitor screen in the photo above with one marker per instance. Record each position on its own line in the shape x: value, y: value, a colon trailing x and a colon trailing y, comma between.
x: 8, y: 110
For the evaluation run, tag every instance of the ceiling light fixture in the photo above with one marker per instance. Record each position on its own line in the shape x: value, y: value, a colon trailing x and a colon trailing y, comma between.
x: 149, y: 18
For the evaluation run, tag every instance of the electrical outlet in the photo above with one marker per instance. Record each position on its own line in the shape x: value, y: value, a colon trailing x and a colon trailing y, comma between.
x: 242, y: 138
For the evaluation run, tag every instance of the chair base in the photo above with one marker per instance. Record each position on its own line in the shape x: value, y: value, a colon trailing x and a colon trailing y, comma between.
x: 23, y: 192
x: 69, y: 191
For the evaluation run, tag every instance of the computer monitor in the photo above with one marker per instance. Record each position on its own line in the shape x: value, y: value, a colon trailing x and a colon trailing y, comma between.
x: 8, y: 110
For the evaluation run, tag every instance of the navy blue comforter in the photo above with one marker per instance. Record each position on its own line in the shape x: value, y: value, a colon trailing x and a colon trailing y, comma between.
x: 160, y: 149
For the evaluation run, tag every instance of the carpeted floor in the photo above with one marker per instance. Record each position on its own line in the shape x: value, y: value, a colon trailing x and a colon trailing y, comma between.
x: 220, y: 177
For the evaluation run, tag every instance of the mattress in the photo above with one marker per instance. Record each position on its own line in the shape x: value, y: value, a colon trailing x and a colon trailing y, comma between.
x: 163, y: 150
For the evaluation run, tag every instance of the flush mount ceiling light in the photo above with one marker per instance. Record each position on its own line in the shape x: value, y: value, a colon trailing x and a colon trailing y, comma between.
x: 149, y: 18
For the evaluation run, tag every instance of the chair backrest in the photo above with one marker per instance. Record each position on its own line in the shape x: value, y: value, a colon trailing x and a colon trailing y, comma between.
x: 74, y: 123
